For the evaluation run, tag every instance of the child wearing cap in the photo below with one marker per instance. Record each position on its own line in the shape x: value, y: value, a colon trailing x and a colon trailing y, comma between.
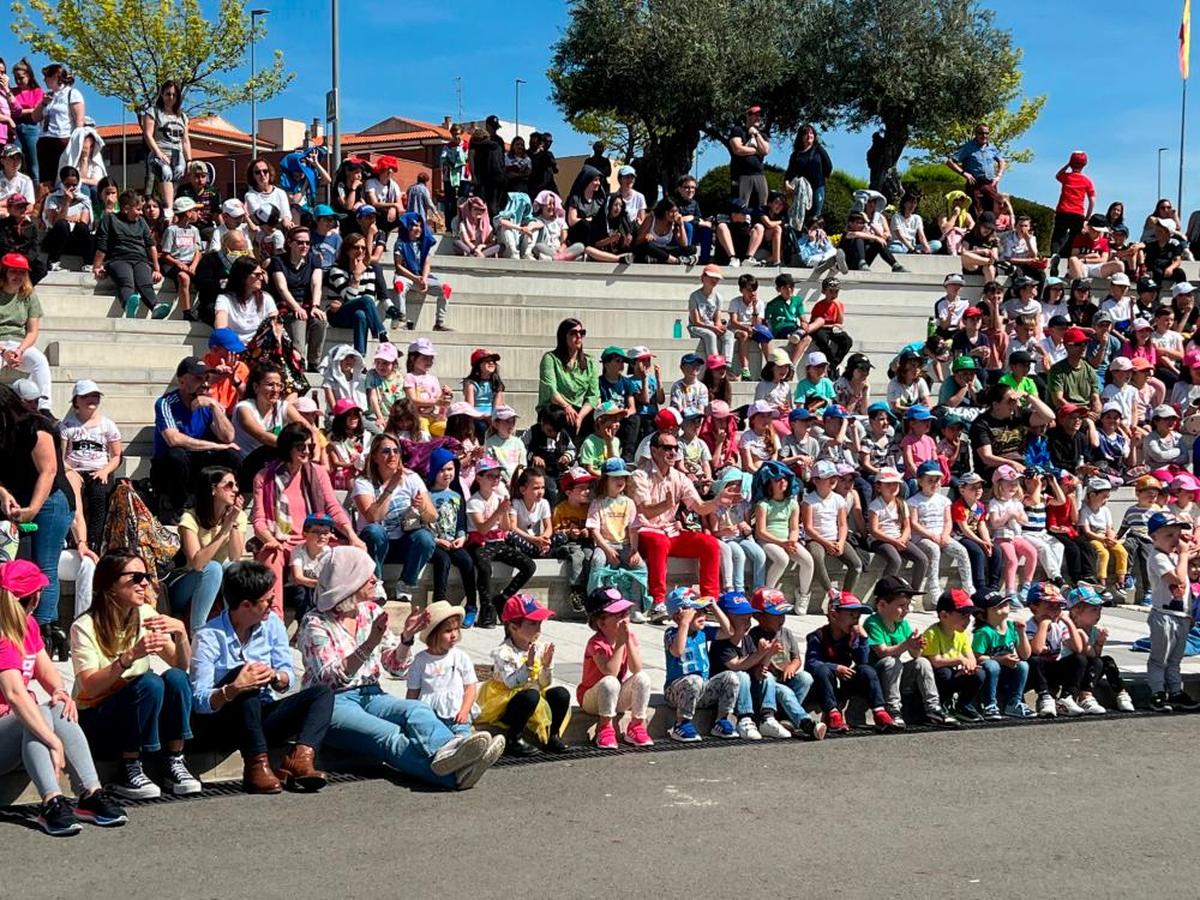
x: 602, y: 444
x: 502, y: 443
x: 521, y: 697
x: 784, y: 314
x: 1002, y: 649
x: 1163, y: 446
x: 777, y: 525
x: 718, y: 379
x: 569, y: 520
x: 91, y: 447
x: 1057, y: 647
x: 704, y: 316
x: 385, y: 386
x: 759, y: 442
x: 825, y: 325
x: 1085, y: 606
x: 621, y: 393
x: 1134, y: 534
x: 690, y: 684
x: 1096, y: 526
x: 308, y: 560
x: 785, y: 667
x: 775, y: 380
x: 1184, y: 488
x: 1006, y: 515
x: 917, y: 446
x: 745, y: 311
x: 733, y: 650
x: 890, y: 637
x: 615, y: 558
x: 483, y: 387
x: 450, y: 532
x: 1112, y: 453
x: 970, y: 529
x: 932, y: 528
x: 694, y: 455
x: 958, y: 674
x: 181, y: 252
x: 889, y: 528
x: 815, y: 382
x: 799, y: 449
x: 824, y: 519
x: 422, y: 388
x: 646, y: 377
x: 908, y: 387
x: 228, y: 375
x: 1170, y: 612
x: 689, y: 392
x: 442, y: 675
x: 613, y: 681
x: 489, y: 512
x: 837, y: 656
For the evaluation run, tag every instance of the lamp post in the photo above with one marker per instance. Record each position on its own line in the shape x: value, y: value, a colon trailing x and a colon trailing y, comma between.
x: 334, y: 102
x: 517, y: 104
x: 254, y: 14
x: 1161, y: 151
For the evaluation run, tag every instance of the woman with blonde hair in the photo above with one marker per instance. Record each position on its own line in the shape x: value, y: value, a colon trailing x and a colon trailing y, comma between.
x: 19, y: 304
x: 44, y: 738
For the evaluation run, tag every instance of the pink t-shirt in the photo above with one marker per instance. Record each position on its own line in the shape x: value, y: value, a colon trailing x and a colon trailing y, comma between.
x: 650, y: 488
x: 22, y: 659
x: 427, y: 386
x: 923, y: 448
x: 27, y: 100
x: 597, y: 643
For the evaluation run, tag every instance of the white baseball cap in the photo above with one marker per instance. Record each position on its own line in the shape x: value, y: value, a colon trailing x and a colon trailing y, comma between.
x: 1184, y: 287
x: 27, y: 390
x: 1120, y: 278
x: 233, y: 207
x: 85, y: 386
x: 816, y: 358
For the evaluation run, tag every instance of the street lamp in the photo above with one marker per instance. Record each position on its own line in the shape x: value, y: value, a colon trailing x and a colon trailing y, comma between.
x: 517, y: 103
x: 254, y: 14
x: 333, y: 102
x: 1161, y: 150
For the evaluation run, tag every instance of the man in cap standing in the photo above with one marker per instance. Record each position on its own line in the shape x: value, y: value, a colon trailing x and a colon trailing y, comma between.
x: 748, y: 149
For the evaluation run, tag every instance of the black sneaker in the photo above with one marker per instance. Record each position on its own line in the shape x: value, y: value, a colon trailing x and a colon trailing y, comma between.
x: 556, y: 745
x: 179, y: 780
x: 1181, y: 700
x: 1159, y: 702
x: 518, y: 746
x: 189, y: 315
x: 135, y: 785
x: 99, y: 809
x: 940, y: 716
x: 393, y: 314
x: 57, y: 818
x: 576, y: 600
x: 487, y: 616
x: 968, y: 712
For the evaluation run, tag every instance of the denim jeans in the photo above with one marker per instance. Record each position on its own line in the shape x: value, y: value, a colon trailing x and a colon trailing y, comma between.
x: 194, y: 593
x: 700, y: 236
x: 53, y: 522
x: 818, y: 201
x: 833, y: 691
x: 403, y: 734
x: 735, y: 553
x: 1003, y: 685
x: 362, y: 318
x: 762, y: 694
x: 27, y: 135
x: 414, y: 549
x: 789, y: 697
x: 136, y: 719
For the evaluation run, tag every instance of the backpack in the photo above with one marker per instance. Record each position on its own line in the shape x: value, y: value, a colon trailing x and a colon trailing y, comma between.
x: 133, y: 528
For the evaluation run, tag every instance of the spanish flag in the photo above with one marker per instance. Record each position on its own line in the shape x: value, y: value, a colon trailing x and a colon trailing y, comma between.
x: 1185, y: 39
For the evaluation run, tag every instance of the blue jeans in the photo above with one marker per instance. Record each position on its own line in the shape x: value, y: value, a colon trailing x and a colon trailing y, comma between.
x: 735, y: 554
x: 414, y: 549
x: 832, y: 691
x: 1002, y: 685
x: 53, y: 522
x: 745, y: 699
x: 27, y: 135
x: 762, y: 694
x: 984, y: 570
x: 818, y: 206
x: 362, y: 318
x: 136, y: 719
x: 194, y: 593
x: 403, y: 734
x: 789, y: 697
x: 701, y: 236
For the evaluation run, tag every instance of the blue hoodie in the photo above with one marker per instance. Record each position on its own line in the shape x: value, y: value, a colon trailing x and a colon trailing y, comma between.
x: 451, y: 521
x: 413, y: 253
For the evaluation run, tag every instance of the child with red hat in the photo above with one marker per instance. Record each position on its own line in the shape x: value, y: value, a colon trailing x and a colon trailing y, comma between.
x: 838, y: 659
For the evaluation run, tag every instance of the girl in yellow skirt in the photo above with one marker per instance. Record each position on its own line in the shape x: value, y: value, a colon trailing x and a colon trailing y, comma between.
x: 518, y: 697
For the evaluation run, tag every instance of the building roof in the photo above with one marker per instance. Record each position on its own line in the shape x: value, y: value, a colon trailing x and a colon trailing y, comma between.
x: 213, y: 127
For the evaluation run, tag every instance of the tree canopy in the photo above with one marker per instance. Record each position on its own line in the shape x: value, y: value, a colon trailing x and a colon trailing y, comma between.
x: 127, y: 48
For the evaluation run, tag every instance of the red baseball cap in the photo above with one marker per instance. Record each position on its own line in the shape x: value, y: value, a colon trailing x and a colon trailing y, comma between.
x: 14, y: 261
x: 479, y: 354
x: 1069, y: 408
x: 846, y: 601
x: 972, y: 312
x: 754, y: 109
x: 1075, y: 335
x: 524, y: 606
x: 956, y: 600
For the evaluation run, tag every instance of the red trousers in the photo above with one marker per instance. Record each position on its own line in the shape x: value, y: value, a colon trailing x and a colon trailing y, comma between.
x: 656, y: 548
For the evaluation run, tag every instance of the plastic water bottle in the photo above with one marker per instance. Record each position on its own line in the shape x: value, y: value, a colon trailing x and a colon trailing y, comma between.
x: 677, y: 330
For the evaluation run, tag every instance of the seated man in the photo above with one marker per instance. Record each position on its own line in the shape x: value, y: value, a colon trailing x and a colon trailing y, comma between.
x: 241, y: 667
x: 1090, y: 253
x: 1163, y: 256
x: 191, y: 433
x: 738, y: 240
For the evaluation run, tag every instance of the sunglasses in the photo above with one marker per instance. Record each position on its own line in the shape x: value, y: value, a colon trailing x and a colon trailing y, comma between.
x: 262, y: 171
x: 228, y: 484
x: 669, y: 448
x: 136, y: 577
x: 300, y: 243
x: 389, y: 451
x: 581, y: 332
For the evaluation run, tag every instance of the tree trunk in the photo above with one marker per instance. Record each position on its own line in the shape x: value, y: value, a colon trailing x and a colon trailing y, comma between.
x: 673, y: 157
x: 885, y: 157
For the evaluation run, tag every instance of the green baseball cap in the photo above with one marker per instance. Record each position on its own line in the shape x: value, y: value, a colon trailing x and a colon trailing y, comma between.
x: 614, y: 351
x: 608, y: 408
x: 963, y: 363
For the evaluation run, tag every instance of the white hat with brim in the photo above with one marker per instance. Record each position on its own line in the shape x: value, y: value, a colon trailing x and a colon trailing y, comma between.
x: 348, y: 569
x: 439, y: 611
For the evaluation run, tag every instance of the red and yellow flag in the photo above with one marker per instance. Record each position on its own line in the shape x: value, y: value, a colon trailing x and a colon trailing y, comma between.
x: 1185, y: 39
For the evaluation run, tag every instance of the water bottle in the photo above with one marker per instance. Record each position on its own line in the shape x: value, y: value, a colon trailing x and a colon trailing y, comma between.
x: 677, y: 330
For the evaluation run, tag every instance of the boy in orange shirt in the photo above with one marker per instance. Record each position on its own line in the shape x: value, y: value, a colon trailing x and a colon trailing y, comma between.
x: 227, y: 373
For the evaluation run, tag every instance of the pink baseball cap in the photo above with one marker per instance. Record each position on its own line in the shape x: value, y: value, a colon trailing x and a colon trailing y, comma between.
x: 22, y: 578
x: 386, y: 352
x: 1185, y: 481
x: 1191, y: 359
x: 1005, y: 473
x: 344, y: 406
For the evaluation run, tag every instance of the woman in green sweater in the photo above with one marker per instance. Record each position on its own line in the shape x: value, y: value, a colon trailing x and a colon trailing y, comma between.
x: 570, y: 379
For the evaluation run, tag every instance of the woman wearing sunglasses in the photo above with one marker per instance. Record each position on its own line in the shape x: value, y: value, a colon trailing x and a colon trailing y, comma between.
x: 126, y: 709
x: 260, y: 175
x: 212, y: 532
x: 568, y: 378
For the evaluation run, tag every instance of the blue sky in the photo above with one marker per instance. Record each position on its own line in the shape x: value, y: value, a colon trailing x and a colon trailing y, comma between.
x: 1112, y: 81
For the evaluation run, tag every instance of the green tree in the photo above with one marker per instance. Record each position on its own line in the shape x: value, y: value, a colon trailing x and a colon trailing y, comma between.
x: 626, y: 136
x: 127, y: 48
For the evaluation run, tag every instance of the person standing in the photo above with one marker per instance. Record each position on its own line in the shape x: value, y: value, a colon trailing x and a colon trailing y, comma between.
x: 748, y: 148
x: 980, y: 164
x: 810, y: 161
x: 1071, y: 211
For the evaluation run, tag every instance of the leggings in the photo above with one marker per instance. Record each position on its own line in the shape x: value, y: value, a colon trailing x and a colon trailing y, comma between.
x: 498, y: 551
x: 18, y: 747
x: 658, y: 253
x: 735, y: 553
x: 1119, y: 557
x: 66, y: 237
x: 1096, y: 666
x: 610, y: 696
x: 95, y: 507
x: 49, y: 149
x: 1016, y: 551
x: 778, y: 561
x: 850, y: 559
x: 133, y: 277
x: 893, y: 560
x: 860, y: 253
x: 459, y: 558
x: 521, y: 706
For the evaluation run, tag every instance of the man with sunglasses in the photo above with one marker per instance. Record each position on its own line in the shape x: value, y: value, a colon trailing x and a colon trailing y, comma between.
x: 191, y: 433
x: 980, y: 164
x: 659, y: 487
x: 998, y: 433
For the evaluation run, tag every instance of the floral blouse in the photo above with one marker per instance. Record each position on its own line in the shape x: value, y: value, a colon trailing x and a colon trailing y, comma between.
x: 325, y: 645
x: 509, y: 666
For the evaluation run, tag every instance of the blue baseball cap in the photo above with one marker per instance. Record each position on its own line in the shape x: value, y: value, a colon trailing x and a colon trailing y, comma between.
x: 692, y: 359
x: 366, y: 210
x: 685, y: 598
x: 734, y: 603
x: 614, y: 467
x: 1085, y: 594
x: 317, y: 521
x: 800, y: 414
x: 880, y: 406
x: 1166, y: 520
x: 833, y: 411
x: 325, y: 211
x: 226, y: 339
x: 761, y: 334
x: 918, y: 413
x: 930, y: 467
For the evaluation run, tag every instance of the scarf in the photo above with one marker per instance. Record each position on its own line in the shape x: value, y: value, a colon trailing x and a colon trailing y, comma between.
x: 518, y: 210
x: 473, y: 220
x: 961, y: 218
x: 277, y: 478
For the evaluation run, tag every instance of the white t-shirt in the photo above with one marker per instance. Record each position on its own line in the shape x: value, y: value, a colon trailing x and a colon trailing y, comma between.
x: 244, y: 318
x: 255, y: 200
x: 887, y: 518
x: 955, y: 309
x: 635, y: 203
x: 1011, y: 528
x: 1171, y: 340
x: 1050, y: 310
x: 1160, y: 593
x: 707, y: 307
x: 907, y: 228
x: 930, y: 511
x: 19, y: 184
x: 689, y: 397
x: 552, y: 232
x: 273, y: 421
x: 1097, y: 520
x: 384, y: 193
x: 218, y: 235
x: 1016, y: 307
x: 1125, y: 397
x: 57, y: 121
x: 182, y: 242
x: 410, y: 488
x: 756, y: 444
x: 1121, y: 310
x: 477, y: 505
x: 777, y: 393
x: 532, y: 520
x: 745, y: 314
x: 310, y: 567
x: 442, y: 680
x: 78, y: 210
x: 85, y: 447
x: 825, y: 513
x: 1056, y: 352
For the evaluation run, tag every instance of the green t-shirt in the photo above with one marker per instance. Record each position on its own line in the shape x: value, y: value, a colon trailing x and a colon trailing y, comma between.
x: 15, y: 311
x: 783, y: 314
x: 1077, y: 385
x: 987, y: 641
x: 779, y: 516
x: 879, y: 635
x: 822, y: 389
x: 1025, y: 386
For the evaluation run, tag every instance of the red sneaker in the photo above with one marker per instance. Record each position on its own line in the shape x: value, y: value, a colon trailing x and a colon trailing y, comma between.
x: 636, y: 735
x: 606, y: 737
x: 883, y: 720
x: 836, y: 722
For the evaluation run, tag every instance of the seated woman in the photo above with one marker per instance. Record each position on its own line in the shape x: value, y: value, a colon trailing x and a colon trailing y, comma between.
x: 211, y: 533
x: 20, y: 324
x: 43, y: 737
x: 569, y: 378
x: 610, y: 236
x: 259, y: 418
x: 550, y: 244
x: 981, y: 248
x: 584, y: 202
x: 413, y: 260
x: 354, y: 286
x: 123, y: 706
x: 67, y: 215
x: 908, y: 229
x: 473, y: 230
x: 286, y: 492
x: 347, y: 646
x: 774, y: 220
x: 956, y: 222
x: 393, y: 512
x: 244, y: 305
x: 662, y: 237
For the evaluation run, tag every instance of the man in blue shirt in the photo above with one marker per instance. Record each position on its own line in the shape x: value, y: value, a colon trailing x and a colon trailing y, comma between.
x: 981, y: 166
x: 241, y: 668
x: 191, y: 433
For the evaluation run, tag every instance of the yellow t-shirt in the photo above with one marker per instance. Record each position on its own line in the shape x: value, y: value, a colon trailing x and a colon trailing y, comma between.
x: 86, y: 655
x: 206, y: 536
x: 937, y: 643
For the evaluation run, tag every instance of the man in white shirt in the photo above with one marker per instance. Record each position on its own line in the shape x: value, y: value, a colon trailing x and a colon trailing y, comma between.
x: 1118, y: 303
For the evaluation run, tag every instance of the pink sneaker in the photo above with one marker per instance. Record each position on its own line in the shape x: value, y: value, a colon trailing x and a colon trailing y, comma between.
x: 637, y: 736
x: 606, y: 737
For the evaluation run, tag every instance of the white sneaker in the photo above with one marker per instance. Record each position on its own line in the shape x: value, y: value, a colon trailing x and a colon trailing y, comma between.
x: 773, y: 728
x: 1124, y: 702
x: 55, y: 267
x: 1068, y: 707
x: 468, y: 777
x: 1091, y: 707
x: 1046, y: 708
x: 637, y: 617
x: 459, y: 752
x: 735, y: 263
x: 747, y: 730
